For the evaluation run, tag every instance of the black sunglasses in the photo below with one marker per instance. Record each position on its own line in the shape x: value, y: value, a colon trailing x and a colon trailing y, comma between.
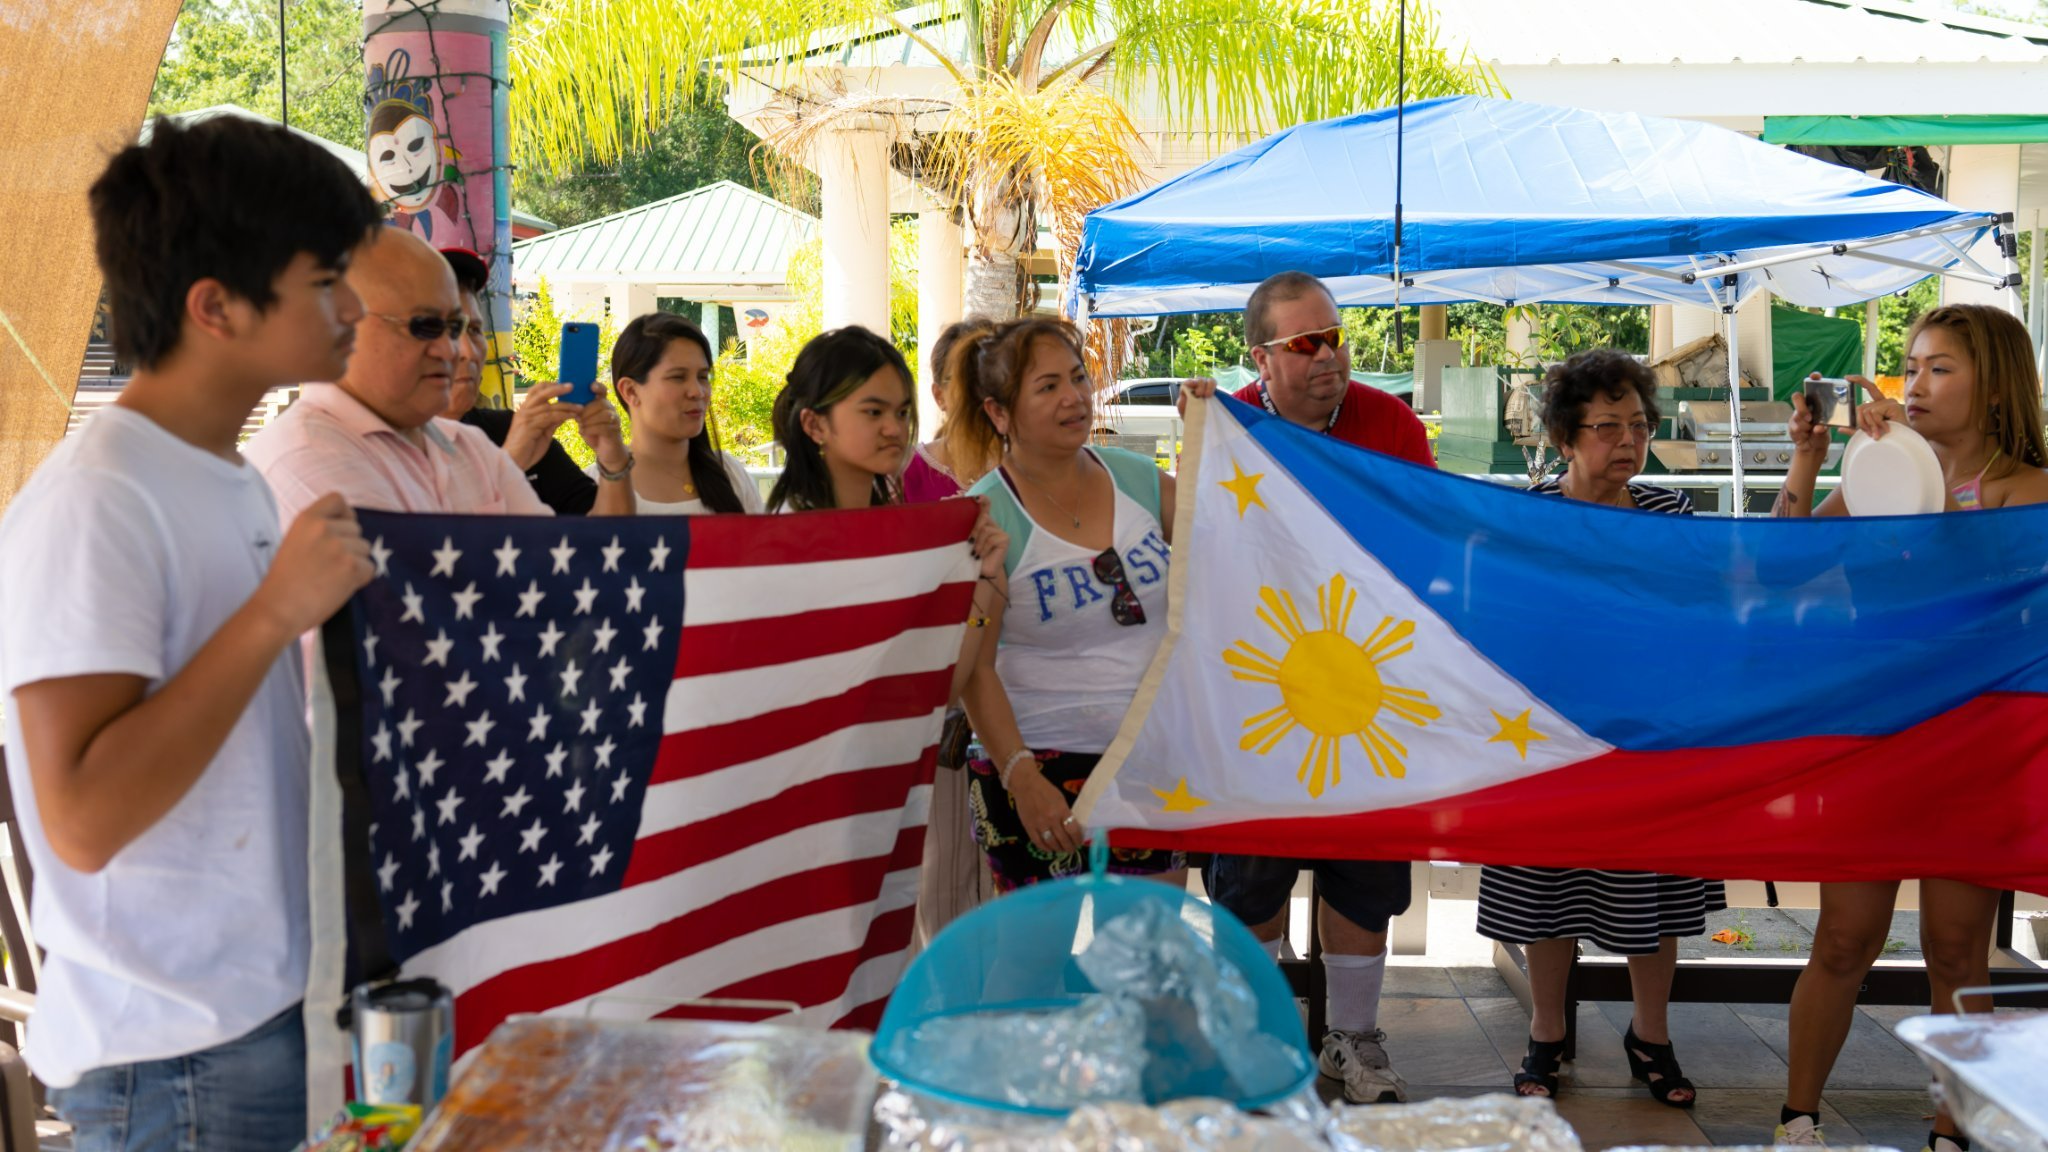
x: 1123, y: 601
x: 426, y: 329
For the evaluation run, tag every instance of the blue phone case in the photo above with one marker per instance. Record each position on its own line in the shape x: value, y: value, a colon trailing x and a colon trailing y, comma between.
x: 577, y: 366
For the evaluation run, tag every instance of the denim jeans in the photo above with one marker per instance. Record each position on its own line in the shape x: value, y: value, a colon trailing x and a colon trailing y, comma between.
x: 247, y: 1095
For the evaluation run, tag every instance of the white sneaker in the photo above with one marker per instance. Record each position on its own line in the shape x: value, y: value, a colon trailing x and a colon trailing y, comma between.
x: 1801, y: 1131
x: 1359, y: 1059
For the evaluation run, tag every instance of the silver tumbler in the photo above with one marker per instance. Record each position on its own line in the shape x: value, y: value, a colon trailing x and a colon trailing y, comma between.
x: 404, y: 1038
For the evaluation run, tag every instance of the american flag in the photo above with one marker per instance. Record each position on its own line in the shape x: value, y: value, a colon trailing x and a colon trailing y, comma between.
x: 650, y: 758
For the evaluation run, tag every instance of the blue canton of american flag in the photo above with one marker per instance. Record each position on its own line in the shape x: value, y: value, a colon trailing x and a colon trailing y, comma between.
x: 513, y: 687
x: 648, y: 759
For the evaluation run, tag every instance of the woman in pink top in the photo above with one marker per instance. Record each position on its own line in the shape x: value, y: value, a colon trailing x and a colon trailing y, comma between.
x: 932, y: 474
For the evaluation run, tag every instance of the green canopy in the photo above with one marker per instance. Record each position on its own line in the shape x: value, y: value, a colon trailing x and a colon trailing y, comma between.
x: 1905, y: 130
x: 1803, y: 342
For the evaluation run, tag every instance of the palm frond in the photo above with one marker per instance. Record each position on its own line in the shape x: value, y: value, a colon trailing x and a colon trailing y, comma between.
x: 592, y: 79
x: 1245, y: 69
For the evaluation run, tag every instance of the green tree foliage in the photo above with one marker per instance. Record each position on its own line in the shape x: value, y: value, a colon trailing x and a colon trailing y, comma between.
x: 225, y: 52
x: 699, y: 146
x: 1201, y: 350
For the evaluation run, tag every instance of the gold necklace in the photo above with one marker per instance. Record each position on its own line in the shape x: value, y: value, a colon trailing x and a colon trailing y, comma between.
x: 1047, y: 493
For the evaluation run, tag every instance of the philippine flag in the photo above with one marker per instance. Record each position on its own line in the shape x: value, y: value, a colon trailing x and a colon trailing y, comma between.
x: 1370, y: 659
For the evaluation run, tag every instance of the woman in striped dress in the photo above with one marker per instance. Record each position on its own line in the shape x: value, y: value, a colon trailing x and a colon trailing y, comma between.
x: 1600, y: 408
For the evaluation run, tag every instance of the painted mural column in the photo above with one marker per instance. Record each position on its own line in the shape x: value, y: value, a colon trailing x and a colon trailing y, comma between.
x: 439, y: 144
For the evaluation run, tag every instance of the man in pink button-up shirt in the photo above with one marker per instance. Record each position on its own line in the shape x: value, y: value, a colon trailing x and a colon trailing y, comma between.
x: 376, y: 435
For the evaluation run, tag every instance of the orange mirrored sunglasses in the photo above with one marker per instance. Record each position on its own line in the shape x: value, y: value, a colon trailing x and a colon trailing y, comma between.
x: 1309, y: 343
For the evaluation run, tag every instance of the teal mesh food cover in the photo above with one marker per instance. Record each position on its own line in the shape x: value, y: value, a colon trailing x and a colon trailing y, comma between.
x: 1091, y: 989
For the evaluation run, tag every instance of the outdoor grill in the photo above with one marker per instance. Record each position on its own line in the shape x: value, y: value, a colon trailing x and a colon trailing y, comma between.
x: 1706, y: 441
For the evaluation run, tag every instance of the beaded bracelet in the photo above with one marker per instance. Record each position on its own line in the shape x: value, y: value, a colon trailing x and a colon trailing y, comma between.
x: 1010, y: 767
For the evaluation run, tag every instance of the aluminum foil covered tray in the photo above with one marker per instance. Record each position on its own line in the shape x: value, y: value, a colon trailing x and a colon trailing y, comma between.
x: 558, y: 1085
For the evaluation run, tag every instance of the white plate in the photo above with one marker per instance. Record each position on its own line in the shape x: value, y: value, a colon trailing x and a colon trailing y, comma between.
x: 1895, y: 476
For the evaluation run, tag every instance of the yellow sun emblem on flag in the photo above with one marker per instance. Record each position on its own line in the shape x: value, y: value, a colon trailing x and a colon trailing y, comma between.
x: 1330, y: 685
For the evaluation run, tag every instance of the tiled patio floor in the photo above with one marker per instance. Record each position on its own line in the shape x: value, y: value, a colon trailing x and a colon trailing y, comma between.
x: 1459, y: 1032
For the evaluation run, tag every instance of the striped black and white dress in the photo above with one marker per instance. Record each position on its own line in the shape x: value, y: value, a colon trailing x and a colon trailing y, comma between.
x: 1627, y: 913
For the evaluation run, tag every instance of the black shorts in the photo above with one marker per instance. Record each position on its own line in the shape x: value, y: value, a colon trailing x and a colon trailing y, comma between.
x: 1366, y: 892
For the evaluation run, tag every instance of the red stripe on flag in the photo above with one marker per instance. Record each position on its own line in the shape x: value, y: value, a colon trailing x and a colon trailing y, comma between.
x: 813, y: 537
x: 706, y: 649
x: 867, y: 1017
x: 1946, y: 798
x: 548, y: 984
x: 819, y: 981
x: 701, y: 750
x: 832, y: 797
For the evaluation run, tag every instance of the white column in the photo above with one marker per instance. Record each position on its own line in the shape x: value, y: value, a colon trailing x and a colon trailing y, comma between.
x: 628, y: 300
x: 1870, y: 335
x: 1984, y: 177
x: 941, y: 266
x: 1690, y: 324
x: 1660, y: 331
x: 853, y: 166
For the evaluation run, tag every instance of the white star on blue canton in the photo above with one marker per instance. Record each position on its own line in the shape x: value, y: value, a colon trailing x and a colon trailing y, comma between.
x: 459, y: 690
x: 516, y: 802
x: 445, y: 557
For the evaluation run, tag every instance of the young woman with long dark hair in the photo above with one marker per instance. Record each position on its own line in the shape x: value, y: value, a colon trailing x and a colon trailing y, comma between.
x: 844, y: 420
x: 661, y: 369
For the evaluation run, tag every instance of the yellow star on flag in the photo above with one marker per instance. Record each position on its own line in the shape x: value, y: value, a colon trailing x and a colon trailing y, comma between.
x: 1244, y: 487
x: 1180, y: 799
x: 1516, y: 732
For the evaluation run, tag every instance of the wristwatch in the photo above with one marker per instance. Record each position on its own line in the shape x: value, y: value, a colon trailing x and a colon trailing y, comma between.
x: 621, y: 474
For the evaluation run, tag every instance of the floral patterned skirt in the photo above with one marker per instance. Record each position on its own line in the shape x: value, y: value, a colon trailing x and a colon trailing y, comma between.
x: 1015, y: 858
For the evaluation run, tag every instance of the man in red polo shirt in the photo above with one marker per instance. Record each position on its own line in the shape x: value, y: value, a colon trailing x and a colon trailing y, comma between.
x: 1297, y: 341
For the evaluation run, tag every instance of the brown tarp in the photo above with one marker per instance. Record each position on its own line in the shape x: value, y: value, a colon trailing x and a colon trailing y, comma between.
x: 75, y: 77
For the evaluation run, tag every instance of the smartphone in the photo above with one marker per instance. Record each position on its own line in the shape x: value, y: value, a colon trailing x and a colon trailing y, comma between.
x: 1832, y: 401
x: 577, y: 366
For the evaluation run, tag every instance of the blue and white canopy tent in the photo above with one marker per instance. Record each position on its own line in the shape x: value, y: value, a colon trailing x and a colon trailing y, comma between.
x: 1509, y: 202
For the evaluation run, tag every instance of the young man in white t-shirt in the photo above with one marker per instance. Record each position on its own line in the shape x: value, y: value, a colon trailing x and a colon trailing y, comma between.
x: 149, y: 608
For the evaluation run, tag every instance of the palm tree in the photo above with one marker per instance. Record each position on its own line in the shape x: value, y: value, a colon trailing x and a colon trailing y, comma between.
x: 1027, y: 137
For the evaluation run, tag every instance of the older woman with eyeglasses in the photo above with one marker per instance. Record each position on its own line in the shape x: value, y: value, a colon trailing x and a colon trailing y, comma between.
x: 1087, y: 562
x: 1600, y: 409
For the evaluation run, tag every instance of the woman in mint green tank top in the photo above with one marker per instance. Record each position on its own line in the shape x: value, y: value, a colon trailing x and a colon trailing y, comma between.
x: 1087, y: 560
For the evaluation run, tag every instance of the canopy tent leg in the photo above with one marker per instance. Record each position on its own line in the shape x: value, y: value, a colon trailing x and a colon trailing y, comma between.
x: 1740, y: 500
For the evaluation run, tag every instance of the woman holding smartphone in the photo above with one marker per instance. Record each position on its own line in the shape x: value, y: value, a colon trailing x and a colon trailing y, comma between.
x: 1973, y: 394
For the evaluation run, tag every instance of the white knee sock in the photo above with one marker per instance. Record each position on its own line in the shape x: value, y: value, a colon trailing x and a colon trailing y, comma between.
x: 1272, y: 946
x: 1353, y: 991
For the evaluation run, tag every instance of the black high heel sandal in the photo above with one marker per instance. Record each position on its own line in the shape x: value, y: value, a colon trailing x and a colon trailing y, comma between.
x: 1539, y: 1067
x: 1661, y: 1062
